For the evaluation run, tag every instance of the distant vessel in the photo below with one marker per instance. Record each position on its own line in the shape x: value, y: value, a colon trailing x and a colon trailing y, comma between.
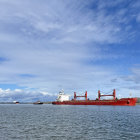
x: 38, y: 103
x: 63, y: 99
x: 15, y: 102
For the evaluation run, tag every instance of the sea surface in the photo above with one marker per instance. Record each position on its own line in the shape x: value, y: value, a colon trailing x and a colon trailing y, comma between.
x: 64, y: 122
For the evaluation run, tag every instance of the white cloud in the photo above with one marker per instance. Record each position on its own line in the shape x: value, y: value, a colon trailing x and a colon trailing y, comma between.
x: 134, y: 76
x: 9, y: 95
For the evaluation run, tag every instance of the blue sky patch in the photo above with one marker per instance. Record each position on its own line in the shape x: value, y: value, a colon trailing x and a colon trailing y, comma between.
x: 27, y: 75
x: 3, y: 59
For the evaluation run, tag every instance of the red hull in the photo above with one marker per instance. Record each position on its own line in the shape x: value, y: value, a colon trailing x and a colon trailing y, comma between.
x: 119, y: 102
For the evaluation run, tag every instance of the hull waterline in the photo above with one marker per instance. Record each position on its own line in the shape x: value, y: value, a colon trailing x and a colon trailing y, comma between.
x: 120, y: 102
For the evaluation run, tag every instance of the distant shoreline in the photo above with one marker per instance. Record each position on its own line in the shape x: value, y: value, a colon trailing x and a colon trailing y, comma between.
x: 23, y: 103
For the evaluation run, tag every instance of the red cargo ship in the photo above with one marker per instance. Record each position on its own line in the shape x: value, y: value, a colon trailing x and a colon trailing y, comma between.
x: 64, y: 100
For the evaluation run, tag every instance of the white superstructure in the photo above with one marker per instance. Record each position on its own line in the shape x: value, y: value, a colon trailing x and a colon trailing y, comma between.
x: 63, y: 97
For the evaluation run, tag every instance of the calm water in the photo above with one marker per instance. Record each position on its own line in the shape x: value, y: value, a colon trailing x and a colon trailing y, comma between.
x: 52, y: 122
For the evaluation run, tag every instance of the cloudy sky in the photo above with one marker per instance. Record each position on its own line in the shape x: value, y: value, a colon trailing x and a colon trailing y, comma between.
x: 75, y: 45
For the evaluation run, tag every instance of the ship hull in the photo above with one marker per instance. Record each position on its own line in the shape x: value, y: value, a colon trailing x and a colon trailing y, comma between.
x: 119, y: 102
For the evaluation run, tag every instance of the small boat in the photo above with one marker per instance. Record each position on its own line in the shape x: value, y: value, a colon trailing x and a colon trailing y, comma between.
x: 38, y: 103
x: 15, y: 102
